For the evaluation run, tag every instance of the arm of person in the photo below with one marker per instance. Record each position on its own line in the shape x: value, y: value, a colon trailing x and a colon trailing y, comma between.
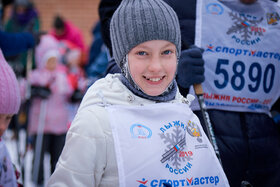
x: 14, y: 43
x: 106, y: 10
x: 83, y: 158
x: 186, y: 12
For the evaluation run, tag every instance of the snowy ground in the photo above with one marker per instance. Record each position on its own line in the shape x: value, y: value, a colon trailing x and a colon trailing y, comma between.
x: 12, y: 147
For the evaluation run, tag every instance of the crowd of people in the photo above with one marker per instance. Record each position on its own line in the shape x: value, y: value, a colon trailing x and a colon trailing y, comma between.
x: 125, y: 111
x: 50, y: 68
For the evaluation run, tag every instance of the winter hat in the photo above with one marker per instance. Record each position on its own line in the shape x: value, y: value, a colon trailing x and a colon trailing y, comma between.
x: 138, y: 21
x: 9, y: 88
x: 47, y: 48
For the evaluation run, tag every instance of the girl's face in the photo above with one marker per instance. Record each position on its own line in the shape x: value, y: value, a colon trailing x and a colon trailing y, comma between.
x: 51, y: 63
x: 5, y: 120
x: 152, y: 65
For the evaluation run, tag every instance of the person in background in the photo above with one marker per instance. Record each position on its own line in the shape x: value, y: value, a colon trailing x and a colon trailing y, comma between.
x: 9, y: 106
x: 98, y: 57
x: 97, y: 43
x: 65, y: 30
x: 135, y: 128
x: 77, y: 79
x: 48, y: 116
x: 14, y: 43
x: 24, y: 26
x: 24, y: 18
x: 248, y: 138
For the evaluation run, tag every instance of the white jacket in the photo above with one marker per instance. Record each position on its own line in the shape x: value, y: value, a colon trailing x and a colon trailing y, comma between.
x: 88, y: 157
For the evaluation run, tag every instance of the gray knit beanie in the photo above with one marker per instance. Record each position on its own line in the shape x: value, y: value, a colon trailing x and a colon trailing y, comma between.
x: 138, y: 21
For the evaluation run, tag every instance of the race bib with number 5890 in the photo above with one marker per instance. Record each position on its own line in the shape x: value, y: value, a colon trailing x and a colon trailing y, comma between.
x: 242, y: 56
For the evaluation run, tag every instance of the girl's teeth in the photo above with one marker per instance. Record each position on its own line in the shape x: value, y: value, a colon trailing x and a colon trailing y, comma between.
x: 154, y: 79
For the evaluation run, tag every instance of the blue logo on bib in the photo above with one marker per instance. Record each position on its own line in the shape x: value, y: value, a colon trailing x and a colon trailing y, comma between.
x: 140, y: 131
x: 215, y: 9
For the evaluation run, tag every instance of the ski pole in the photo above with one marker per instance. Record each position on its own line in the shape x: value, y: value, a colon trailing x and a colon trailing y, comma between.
x: 28, y: 70
x: 39, y: 139
x: 27, y: 98
x: 210, y: 132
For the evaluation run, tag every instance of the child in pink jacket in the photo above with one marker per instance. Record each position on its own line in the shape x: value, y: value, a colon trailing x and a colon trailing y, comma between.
x: 48, y: 112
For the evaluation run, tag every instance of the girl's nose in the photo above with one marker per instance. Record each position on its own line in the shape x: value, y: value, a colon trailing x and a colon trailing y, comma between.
x: 155, y: 64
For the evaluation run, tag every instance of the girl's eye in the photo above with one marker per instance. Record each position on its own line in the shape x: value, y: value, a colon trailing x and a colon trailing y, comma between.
x: 141, y: 53
x: 167, y: 52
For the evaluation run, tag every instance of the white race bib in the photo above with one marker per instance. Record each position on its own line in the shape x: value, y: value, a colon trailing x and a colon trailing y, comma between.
x: 163, y: 143
x: 242, y: 56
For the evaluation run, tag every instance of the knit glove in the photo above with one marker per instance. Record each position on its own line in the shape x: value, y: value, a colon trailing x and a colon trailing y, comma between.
x: 40, y: 92
x: 190, y: 67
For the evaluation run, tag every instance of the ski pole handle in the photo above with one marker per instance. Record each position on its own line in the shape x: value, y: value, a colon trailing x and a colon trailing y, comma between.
x: 198, y: 89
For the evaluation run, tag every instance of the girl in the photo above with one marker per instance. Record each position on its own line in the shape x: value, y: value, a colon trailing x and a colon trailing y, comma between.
x: 9, y: 106
x: 134, y: 128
